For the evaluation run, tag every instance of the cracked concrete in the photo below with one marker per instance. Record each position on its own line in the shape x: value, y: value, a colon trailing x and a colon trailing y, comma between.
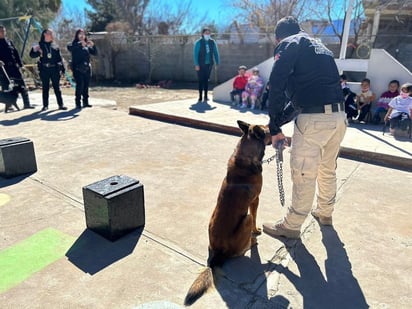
x: 363, y: 261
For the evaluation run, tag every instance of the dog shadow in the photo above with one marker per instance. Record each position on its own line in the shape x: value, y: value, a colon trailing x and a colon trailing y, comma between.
x: 201, y: 107
x: 247, y: 276
x: 91, y: 252
x: 338, y: 288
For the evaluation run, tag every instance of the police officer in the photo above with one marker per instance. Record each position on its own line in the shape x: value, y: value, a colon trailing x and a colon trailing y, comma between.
x: 12, y: 64
x: 50, y: 67
x: 305, y: 72
x: 81, y: 48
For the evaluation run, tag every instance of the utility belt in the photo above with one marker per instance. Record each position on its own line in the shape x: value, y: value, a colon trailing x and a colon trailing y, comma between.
x: 324, y: 109
x: 83, y: 67
x: 48, y: 65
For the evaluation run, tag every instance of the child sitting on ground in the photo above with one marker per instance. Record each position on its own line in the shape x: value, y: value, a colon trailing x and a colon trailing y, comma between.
x: 253, y: 89
x: 351, y: 108
x: 364, y: 99
x: 384, y: 99
x: 400, y: 109
x: 239, y: 84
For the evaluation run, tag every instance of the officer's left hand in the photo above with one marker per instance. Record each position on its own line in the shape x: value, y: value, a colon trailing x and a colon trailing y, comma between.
x: 1, y: 63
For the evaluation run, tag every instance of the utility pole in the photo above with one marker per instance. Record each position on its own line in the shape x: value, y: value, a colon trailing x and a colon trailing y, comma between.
x: 346, y: 28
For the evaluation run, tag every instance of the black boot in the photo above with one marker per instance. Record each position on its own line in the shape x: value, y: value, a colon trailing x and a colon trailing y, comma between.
x: 26, y: 100
x: 86, y: 102
x: 78, y: 103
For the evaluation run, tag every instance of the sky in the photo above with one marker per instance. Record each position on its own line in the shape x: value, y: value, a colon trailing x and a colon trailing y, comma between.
x: 215, y: 9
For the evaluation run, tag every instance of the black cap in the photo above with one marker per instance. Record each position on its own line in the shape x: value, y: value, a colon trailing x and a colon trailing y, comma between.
x: 287, y: 26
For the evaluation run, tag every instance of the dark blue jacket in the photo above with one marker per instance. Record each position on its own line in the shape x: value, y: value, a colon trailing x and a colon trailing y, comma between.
x: 305, y: 73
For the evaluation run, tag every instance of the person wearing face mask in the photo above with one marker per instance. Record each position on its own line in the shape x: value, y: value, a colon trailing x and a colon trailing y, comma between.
x: 400, y: 109
x: 205, y: 55
x: 50, y: 67
x: 81, y: 48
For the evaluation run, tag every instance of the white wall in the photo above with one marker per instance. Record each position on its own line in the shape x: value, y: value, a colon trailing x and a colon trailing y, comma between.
x: 381, y: 68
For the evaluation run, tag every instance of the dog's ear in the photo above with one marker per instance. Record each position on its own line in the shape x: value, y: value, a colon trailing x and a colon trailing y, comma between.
x: 259, y: 132
x: 243, y: 126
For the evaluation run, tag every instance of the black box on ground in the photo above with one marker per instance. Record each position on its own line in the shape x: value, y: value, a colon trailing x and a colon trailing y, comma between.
x: 17, y: 157
x: 114, y: 206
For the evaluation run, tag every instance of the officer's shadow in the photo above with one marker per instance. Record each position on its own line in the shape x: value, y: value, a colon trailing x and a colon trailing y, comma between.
x: 50, y: 115
x: 242, y: 282
x: 202, y: 107
x: 59, y: 115
x: 338, y: 288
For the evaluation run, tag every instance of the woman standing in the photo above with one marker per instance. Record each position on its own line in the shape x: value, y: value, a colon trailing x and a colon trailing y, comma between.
x: 81, y: 48
x: 50, y: 66
x: 205, y: 54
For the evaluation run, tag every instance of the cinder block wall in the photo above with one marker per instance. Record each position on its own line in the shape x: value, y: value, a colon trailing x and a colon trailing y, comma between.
x: 171, y: 58
x: 172, y: 61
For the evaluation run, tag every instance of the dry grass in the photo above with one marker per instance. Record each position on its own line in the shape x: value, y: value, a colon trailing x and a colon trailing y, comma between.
x: 128, y: 96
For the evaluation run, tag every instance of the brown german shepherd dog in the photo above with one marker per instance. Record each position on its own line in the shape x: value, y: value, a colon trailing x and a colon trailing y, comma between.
x: 232, y: 227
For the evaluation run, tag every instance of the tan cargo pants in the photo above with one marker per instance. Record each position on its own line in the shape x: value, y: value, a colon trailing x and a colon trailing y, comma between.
x: 315, y: 147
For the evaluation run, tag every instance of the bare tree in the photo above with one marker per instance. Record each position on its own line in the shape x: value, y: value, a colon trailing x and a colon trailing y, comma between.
x: 67, y: 22
x: 178, y: 18
x: 333, y: 14
x: 133, y: 12
x: 265, y: 14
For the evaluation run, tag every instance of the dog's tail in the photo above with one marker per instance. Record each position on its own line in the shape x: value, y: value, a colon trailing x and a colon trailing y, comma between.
x: 206, y: 278
x: 199, y: 287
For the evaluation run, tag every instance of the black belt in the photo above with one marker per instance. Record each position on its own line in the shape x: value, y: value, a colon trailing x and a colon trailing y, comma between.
x: 48, y: 65
x: 323, y: 109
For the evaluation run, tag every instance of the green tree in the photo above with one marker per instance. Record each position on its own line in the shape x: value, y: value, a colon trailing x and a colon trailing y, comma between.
x: 43, y: 10
x: 103, y: 13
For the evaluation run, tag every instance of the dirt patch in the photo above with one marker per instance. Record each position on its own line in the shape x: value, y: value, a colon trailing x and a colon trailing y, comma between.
x: 127, y: 96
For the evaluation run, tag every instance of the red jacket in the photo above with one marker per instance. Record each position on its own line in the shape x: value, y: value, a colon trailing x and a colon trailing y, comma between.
x: 240, y: 82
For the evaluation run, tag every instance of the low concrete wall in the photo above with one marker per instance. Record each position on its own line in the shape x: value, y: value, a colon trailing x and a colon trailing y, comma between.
x: 380, y: 68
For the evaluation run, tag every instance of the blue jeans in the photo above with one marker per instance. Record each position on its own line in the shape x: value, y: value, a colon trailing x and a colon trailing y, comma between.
x: 376, y: 114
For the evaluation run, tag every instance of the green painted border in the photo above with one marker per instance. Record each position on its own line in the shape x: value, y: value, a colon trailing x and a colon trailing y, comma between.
x: 19, y: 262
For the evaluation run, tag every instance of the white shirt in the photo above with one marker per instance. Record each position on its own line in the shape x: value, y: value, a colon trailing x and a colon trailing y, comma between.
x: 400, y: 105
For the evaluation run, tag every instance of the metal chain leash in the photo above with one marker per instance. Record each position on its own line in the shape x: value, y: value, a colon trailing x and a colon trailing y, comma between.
x: 279, y: 170
x: 279, y: 173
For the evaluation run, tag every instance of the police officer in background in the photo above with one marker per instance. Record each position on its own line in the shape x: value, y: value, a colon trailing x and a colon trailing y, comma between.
x: 12, y: 64
x: 50, y: 67
x: 305, y: 73
x: 81, y: 48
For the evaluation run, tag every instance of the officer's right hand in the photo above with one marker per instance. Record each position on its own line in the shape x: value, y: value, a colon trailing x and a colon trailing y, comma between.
x: 278, y: 137
x: 197, y: 68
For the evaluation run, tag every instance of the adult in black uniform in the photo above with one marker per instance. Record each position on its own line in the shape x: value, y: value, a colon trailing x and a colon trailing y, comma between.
x: 12, y: 63
x: 50, y: 67
x: 81, y: 49
x: 305, y: 73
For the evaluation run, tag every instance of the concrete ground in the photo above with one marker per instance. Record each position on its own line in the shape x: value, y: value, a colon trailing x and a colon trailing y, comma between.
x: 49, y: 259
